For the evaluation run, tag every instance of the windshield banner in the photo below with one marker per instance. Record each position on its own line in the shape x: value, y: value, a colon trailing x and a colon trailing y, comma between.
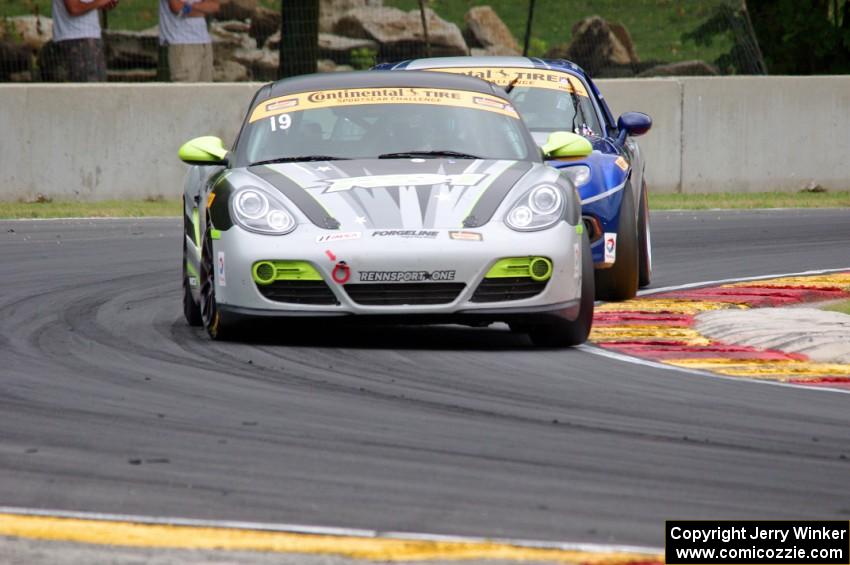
x: 533, y: 78
x: 382, y: 95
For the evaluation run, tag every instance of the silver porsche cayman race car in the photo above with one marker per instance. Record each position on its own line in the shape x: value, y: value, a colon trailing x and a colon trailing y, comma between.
x: 400, y: 197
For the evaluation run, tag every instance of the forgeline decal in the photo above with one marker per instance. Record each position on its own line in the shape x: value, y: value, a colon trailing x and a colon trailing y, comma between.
x: 622, y: 163
x: 466, y: 235
x: 406, y: 276
x: 359, y: 96
x: 420, y: 179
x: 534, y: 78
x: 343, y: 236
x: 421, y: 234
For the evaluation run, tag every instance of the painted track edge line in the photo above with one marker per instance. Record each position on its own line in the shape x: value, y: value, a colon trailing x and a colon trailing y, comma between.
x: 324, y: 530
x: 651, y: 291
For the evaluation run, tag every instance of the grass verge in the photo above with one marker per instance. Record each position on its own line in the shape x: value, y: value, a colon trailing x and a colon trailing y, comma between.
x: 843, y: 307
x: 147, y: 208
x: 728, y: 200
x: 100, y: 209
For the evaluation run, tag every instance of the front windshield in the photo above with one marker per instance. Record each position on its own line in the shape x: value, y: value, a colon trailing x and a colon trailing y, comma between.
x: 376, y: 122
x: 544, y: 109
x: 548, y: 100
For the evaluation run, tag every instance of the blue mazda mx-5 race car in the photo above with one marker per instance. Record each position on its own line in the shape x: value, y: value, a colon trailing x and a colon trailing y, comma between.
x: 553, y: 95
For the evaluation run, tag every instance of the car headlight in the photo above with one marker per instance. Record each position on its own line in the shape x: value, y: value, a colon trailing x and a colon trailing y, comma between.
x: 579, y: 174
x: 539, y: 208
x: 258, y: 211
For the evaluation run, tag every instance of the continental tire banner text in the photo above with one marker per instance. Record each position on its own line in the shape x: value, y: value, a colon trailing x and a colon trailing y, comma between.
x: 383, y: 95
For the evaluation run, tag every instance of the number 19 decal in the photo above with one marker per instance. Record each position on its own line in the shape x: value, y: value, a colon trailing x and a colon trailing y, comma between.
x: 283, y: 121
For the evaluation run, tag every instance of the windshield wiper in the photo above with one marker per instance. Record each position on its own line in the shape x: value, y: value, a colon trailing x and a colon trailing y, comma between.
x: 301, y: 158
x: 409, y: 154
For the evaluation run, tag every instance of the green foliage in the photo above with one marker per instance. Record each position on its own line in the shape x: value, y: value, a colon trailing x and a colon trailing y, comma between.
x: 537, y: 47
x: 363, y: 58
x: 796, y: 38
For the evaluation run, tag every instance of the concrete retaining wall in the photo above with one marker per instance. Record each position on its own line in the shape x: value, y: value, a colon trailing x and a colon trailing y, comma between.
x: 741, y: 134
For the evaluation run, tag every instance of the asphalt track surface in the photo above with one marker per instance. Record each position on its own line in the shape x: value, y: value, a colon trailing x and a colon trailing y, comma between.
x: 110, y: 403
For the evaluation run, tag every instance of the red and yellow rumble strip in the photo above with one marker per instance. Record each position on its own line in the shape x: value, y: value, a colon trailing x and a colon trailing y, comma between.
x: 661, y: 328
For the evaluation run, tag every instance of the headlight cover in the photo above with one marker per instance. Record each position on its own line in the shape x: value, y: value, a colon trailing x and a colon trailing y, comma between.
x: 537, y: 209
x: 259, y: 211
x: 579, y: 174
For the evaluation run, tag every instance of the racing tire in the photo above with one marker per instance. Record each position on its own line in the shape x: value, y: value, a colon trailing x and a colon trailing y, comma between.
x: 191, y: 310
x: 644, y: 241
x: 214, y: 322
x: 565, y: 333
x: 620, y: 281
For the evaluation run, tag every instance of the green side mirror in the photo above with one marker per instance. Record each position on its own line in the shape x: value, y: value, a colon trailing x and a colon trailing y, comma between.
x: 566, y: 144
x: 207, y: 150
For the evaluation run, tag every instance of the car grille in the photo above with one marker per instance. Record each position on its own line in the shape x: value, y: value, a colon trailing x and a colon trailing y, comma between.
x: 298, y: 292
x: 510, y: 288
x: 397, y: 294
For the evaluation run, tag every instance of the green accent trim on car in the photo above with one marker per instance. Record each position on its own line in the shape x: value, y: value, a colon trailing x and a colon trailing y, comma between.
x: 580, y: 228
x: 190, y: 268
x: 215, y: 234
x: 196, y: 223
x: 207, y: 150
x: 266, y: 272
x: 566, y: 144
x: 536, y: 268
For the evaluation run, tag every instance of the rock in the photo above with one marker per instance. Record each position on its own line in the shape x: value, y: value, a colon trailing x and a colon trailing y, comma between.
x: 338, y: 48
x: 230, y: 71
x: 595, y: 46
x: 33, y: 31
x: 234, y: 26
x: 14, y: 59
x: 266, y: 68
x: 330, y: 11
x: 625, y: 38
x: 812, y: 187
x: 492, y: 52
x: 247, y: 57
x: 236, y: 9
x: 328, y: 66
x: 273, y: 42
x: 226, y: 42
x: 490, y: 32
x: 264, y: 23
x: 131, y: 75
x: 399, y: 33
x: 681, y: 69
x: 131, y: 49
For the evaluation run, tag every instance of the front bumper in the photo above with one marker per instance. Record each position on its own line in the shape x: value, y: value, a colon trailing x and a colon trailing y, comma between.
x: 379, y: 265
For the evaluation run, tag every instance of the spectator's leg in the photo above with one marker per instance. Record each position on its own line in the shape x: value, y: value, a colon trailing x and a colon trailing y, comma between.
x: 85, y: 60
x: 98, y: 54
x: 180, y: 63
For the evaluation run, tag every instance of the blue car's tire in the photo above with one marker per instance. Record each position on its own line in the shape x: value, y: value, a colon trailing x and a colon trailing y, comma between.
x: 620, y: 281
x: 565, y: 333
x: 644, y: 241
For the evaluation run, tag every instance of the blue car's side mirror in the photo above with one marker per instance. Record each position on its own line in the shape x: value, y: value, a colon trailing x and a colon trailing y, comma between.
x: 633, y: 123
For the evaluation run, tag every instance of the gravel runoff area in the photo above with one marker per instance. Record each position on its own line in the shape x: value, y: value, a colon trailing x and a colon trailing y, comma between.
x: 821, y: 335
